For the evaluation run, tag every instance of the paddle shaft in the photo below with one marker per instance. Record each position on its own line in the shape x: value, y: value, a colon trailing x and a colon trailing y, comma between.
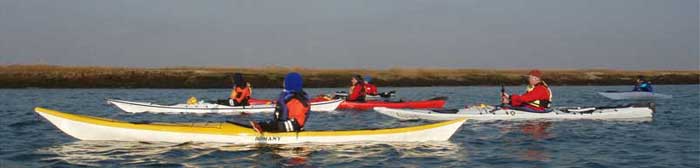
x: 503, y: 92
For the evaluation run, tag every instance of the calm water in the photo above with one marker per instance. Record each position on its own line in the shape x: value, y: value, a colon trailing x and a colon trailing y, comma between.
x: 672, y: 139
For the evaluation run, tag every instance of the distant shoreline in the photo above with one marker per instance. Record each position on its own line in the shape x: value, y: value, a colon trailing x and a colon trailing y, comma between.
x: 49, y: 76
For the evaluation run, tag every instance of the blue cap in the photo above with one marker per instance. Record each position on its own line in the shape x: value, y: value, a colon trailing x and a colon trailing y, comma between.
x: 293, y: 82
x: 368, y: 78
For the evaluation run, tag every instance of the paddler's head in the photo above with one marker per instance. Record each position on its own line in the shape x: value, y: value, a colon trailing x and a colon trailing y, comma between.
x: 238, y: 80
x: 534, y: 77
x: 293, y: 82
x: 356, y: 79
x: 640, y: 79
x: 368, y: 79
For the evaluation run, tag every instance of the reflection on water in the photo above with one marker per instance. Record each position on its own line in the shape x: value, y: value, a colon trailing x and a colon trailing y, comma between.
x: 528, y: 147
x: 97, y: 153
x: 538, y: 132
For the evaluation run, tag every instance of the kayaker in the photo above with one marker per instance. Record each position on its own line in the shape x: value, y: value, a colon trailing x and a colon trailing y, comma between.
x: 357, y: 91
x: 643, y: 85
x: 291, y: 110
x: 371, y: 88
x: 241, y: 92
x: 537, y: 98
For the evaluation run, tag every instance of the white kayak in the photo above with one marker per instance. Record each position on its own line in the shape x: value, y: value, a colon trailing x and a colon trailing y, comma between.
x: 491, y: 113
x: 633, y: 95
x: 203, y: 107
x: 94, y: 128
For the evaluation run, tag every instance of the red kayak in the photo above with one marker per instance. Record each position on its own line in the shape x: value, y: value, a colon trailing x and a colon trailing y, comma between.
x: 437, y: 102
x: 254, y: 101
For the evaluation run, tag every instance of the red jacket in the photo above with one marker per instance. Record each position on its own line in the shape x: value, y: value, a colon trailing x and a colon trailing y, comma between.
x: 537, y: 98
x: 357, y: 93
x: 371, y: 89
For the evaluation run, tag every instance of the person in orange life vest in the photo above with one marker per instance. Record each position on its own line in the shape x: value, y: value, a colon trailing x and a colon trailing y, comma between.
x: 357, y: 91
x: 291, y: 110
x: 241, y: 92
x: 371, y: 88
x: 537, y: 98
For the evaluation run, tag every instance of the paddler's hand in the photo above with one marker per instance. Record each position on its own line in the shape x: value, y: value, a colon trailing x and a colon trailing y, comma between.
x: 505, y: 98
x: 505, y: 101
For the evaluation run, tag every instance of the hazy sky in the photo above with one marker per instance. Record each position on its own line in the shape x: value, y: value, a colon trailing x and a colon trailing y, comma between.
x: 620, y: 34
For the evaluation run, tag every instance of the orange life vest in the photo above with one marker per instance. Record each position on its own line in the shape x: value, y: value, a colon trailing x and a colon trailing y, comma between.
x: 239, y: 94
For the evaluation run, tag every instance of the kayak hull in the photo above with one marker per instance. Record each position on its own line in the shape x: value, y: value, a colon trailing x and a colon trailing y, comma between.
x: 634, y: 95
x: 369, y: 105
x: 489, y: 114
x: 93, y: 128
x: 141, y: 107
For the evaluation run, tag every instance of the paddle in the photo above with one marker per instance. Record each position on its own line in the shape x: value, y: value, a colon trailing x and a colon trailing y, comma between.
x: 503, y: 93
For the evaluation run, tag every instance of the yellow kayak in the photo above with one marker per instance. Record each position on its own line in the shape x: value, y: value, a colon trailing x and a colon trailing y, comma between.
x: 95, y: 128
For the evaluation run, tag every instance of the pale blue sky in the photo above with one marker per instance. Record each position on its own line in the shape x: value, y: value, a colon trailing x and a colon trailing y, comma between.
x: 618, y: 34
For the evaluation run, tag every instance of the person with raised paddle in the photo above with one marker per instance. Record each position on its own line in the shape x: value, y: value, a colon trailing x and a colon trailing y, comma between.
x: 537, y: 98
x: 291, y: 110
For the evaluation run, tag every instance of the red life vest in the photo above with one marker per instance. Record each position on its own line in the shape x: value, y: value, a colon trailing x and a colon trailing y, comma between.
x: 357, y: 92
x: 298, y: 111
x: 292, y: 107
x: 371, y: 89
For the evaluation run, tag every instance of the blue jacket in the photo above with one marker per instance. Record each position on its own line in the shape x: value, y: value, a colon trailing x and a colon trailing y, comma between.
x: 644, y: 87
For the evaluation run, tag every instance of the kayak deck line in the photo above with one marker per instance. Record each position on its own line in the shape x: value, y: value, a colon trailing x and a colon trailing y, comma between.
x: 224, y: 128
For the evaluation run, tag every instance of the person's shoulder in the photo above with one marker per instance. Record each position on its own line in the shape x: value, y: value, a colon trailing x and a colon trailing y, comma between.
x: 541, y: 87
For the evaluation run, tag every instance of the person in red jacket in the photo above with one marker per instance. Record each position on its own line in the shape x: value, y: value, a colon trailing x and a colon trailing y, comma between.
x: 357, y: 91
x: 292, y: 108
x: 371, y: 88
x: 537, y: 98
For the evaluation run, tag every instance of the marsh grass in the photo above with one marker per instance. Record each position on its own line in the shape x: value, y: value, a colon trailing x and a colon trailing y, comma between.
x: 50, y: 76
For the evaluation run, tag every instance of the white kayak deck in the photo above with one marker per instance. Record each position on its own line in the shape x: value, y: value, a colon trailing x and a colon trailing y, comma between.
x: 141, y: 107
x: 491, y: 113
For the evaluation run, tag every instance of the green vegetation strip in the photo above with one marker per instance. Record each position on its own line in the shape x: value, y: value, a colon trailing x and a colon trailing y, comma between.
x: 47, y: 76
